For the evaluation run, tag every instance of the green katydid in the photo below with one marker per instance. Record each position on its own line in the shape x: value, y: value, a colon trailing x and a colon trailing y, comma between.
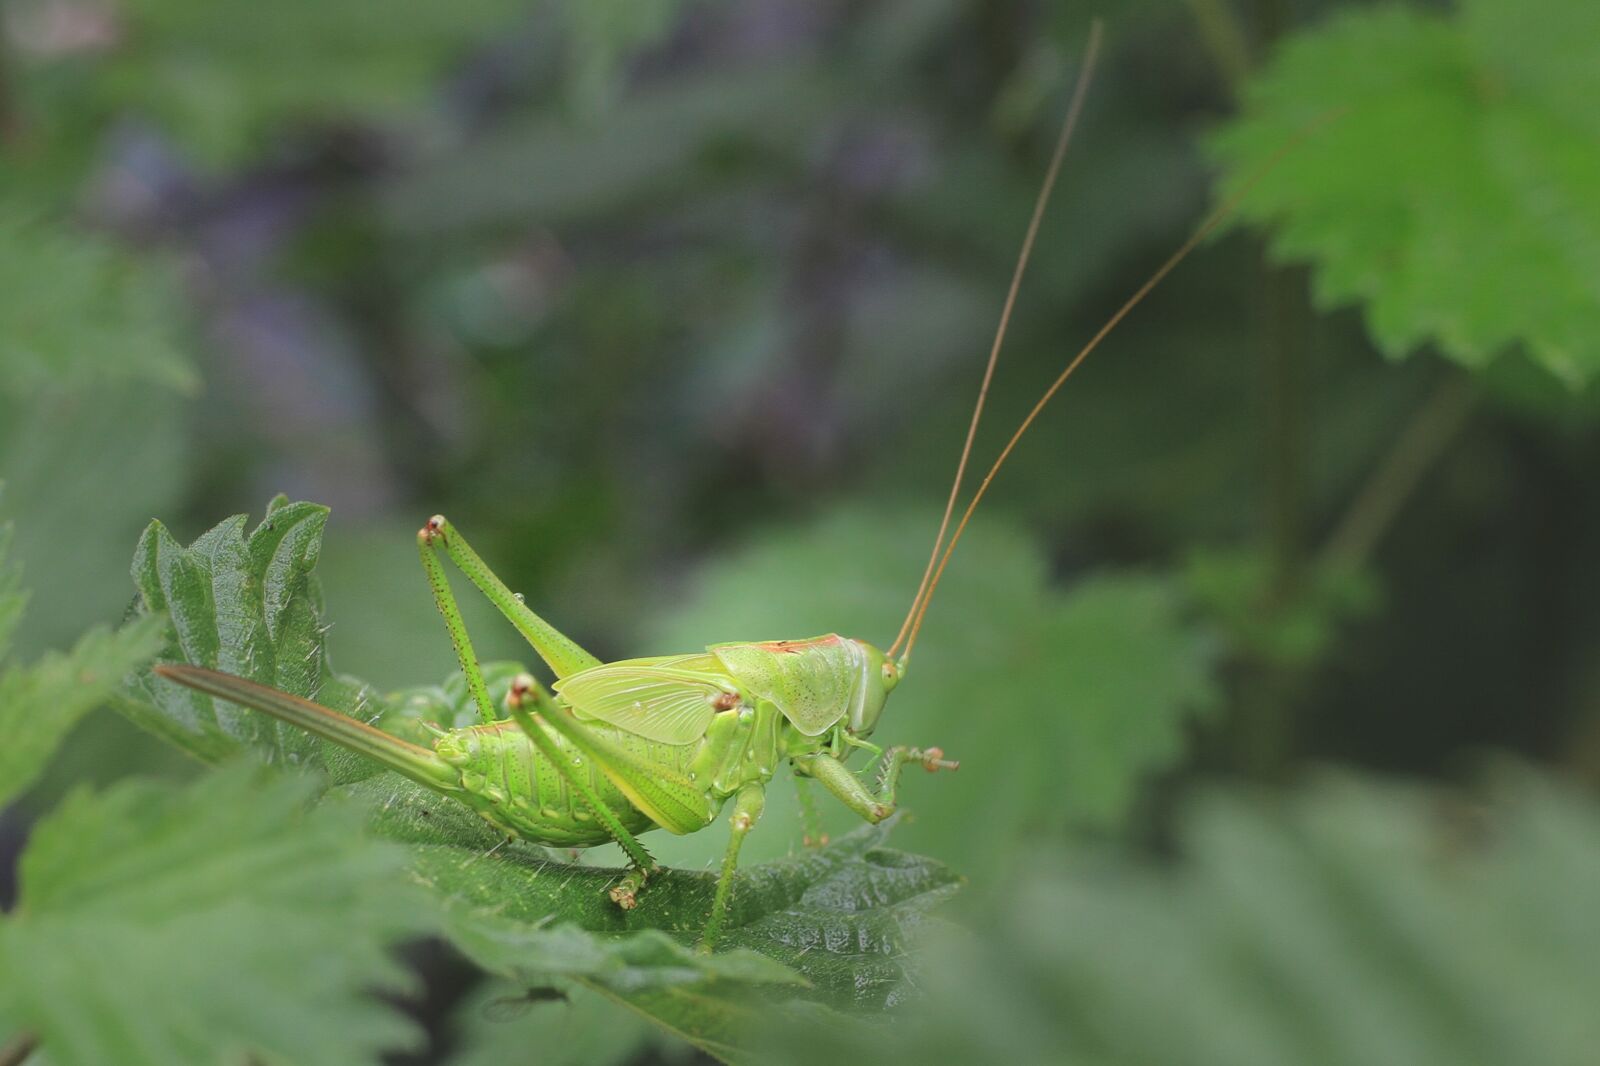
x: 613, y: 750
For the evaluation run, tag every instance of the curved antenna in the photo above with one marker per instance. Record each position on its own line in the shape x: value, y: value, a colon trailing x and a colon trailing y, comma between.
x: 1204, y: 230
x: 1079, y: 91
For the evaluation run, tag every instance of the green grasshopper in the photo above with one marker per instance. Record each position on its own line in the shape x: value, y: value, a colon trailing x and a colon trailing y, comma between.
x: 613, y: 750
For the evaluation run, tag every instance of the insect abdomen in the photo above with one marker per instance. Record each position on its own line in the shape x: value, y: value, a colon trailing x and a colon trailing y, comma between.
x: 511, y: 784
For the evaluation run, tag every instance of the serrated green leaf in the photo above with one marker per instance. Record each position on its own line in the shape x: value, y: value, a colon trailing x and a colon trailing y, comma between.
x: 40, y: 703
x: 711, y: 1000
x: 841, y: 922
x: 76, y: 309
x: 1057, y: 703
x: 209, y: 924
x: 835, y: 927
x: 1458, y: 143
x: 241, y: 602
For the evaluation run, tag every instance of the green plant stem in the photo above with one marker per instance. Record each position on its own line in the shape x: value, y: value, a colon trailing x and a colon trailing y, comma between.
x: 18, y: 1051
x: 1419, y: 446
x: 1285, y: 334
x: 1270, y: 692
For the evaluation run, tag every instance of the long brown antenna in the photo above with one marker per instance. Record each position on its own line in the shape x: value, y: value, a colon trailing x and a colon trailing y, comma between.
x: 1212, y: 221
x: 1068, y: 125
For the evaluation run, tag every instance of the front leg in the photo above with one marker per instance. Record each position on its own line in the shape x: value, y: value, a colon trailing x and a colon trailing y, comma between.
x: 874, y: 807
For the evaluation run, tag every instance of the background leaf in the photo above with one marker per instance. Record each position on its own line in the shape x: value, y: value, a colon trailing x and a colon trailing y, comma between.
x: 1457, y: 145
x: 40, y: 703
x: 1362, y: 922
x: 159, y: 925
x: 218, y: 77
x: 76, y: 308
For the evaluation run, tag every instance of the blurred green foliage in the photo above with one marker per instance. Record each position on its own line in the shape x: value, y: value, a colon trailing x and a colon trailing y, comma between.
x: 41, y: 702
x: 76, y: 308
x: 676, y: 309
x: 1355, y: 923
x: 230, y: 902
x: 1451, y: 190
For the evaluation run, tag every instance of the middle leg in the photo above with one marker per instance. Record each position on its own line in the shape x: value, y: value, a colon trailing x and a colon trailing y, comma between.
x: 747, y: 807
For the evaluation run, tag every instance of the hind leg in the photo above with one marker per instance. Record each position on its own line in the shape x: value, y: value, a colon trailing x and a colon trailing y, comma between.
x: 525, y: 699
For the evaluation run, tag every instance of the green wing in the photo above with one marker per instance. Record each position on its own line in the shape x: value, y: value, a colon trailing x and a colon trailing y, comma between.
x: 670, y: 699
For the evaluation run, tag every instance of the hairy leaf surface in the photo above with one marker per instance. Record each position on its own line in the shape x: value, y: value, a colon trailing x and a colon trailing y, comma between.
x: 835, y: 927
x: 41, y: 702
x: 1452, y: 196
x: 244, y: 602
x: 209, y: 924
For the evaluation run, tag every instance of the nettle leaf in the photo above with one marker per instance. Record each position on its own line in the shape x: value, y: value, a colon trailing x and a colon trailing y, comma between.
x: 243, y: 602
x: 75, y: 309
x: 833, y: 927
x: 1358, y: 923
x: 40, y: 703
x: 714, y: 1001
x: 1453, y: 196
x: 215, y: 923
x: 1057, y: 702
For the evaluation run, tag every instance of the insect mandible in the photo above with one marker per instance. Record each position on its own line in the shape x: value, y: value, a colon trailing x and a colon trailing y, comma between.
x: 613, y: 750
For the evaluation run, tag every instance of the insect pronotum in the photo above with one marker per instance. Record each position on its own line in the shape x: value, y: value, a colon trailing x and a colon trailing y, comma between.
x: 613, y: 750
